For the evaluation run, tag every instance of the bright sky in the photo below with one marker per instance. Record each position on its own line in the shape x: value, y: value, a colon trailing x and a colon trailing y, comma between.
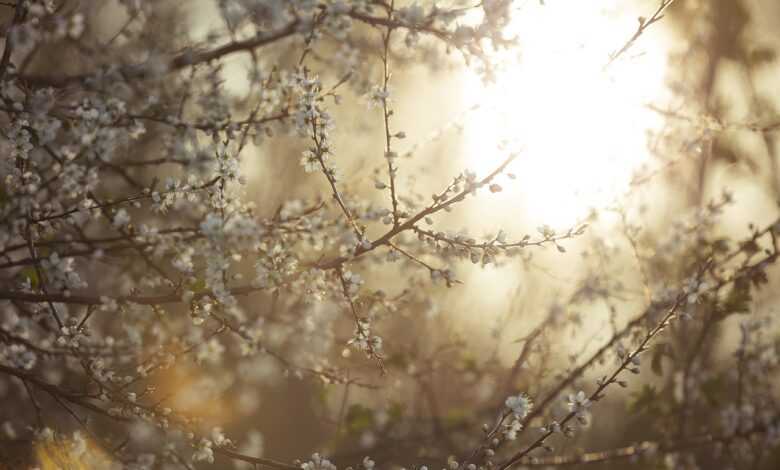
x: 582, y: 129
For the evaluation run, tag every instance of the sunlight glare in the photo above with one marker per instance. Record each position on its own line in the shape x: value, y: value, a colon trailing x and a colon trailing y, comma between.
x: 581, y: 129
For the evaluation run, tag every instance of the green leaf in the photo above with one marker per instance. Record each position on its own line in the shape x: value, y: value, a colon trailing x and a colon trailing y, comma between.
x: 29, y: 273
x: 396, y: 411
x: 198, y: 286
x: 738, y: 299
x: 456, y: 416
x: 469, y: 362
x: 359, y: 418
x: 643, y: 400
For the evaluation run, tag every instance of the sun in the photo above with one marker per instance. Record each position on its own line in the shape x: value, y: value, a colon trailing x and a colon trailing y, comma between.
x: 580, y: 127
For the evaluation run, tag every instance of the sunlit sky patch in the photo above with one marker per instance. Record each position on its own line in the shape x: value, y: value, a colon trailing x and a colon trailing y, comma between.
x: 581, y: 128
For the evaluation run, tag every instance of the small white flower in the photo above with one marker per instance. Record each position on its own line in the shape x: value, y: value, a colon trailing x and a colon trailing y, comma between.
x: 378, y: 96
x: 520, y: 405
x: 579, y: 403
x: 412, y: 15
x: 121, y: 218
x: 318, y: 462
x: 204, y: 452
x: 512, y: 429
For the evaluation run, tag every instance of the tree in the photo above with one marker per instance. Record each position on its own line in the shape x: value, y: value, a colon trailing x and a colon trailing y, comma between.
x: 164, y: 267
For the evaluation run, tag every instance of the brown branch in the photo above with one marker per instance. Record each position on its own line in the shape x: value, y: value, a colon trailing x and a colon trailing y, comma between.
x: 410, y: 222
x: 184, y: 59
x: 641, y: 28
x: 643, y: 448
x: 20, y: 11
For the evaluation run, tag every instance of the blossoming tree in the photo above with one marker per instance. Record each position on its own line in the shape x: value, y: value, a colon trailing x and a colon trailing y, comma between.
x: 149, y: 295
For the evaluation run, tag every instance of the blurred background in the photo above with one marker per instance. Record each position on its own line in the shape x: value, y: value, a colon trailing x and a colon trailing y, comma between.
x: 638, y: 149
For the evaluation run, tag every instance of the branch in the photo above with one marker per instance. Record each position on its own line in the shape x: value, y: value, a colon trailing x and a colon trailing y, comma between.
x: 639, y: 449
x: 643, y: 25
x: 20, y: 12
